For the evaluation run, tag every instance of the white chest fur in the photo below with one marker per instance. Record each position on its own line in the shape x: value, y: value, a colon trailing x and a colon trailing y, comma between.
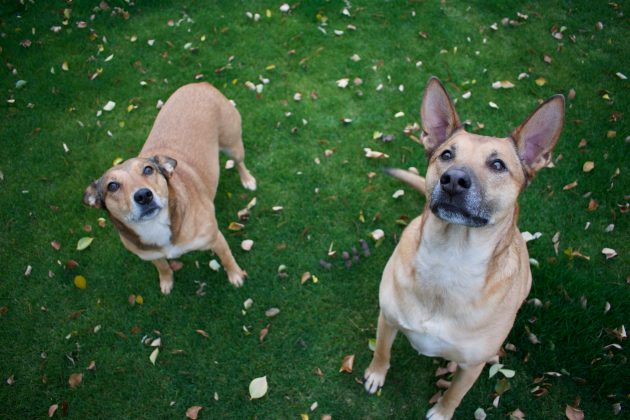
x: 156, y: 231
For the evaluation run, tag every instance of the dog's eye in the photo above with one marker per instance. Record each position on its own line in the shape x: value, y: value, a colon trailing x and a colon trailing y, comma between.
x: 498, y: 165
x: 113, y: 186
x: 446, y: 155
x: 148, y: 170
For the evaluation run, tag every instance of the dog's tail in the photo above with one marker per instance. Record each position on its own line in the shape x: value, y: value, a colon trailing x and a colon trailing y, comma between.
x: 414, y: 180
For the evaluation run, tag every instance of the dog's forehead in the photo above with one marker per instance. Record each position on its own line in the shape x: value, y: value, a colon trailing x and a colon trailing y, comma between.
x: 463, y: 140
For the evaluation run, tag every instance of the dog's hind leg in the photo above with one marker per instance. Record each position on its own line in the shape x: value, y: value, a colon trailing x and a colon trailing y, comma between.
x: 166, y: 275
x: 219, y: 246
x: 464, y: 379
x: 375, y: 373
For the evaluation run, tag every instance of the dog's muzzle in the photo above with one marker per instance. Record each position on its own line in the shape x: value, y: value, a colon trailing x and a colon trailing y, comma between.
x: 146, y: 205
x: 457, y: 199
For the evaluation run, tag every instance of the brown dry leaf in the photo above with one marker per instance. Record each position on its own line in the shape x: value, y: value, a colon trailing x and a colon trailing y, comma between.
x: 305, y: 277
x: 234, y: 226
x: 574, y: 413
x: 92, y: 365
x: 75, y: 380
x: 202, y: 333
x: 70, y: 264
x: 593, y: 204
x: 193, y: 412
x: 346, y: 364
x: 263, y: 333
x: 570, y: 186
x: 517, y: 414
x: 588, y: 166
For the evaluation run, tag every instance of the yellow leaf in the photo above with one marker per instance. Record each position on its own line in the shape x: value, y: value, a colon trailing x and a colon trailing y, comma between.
x: 234, y: 226
x: 540, y: 81
x: 80, y: 282
x: 84, y: 243
x: 139, y: 300
x: 117, y: 161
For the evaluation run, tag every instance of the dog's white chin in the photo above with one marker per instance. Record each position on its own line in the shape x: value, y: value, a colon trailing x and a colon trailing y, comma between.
x: 458, y: 217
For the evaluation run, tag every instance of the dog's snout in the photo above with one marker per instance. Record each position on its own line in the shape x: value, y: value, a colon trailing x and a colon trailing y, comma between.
x: 455, y: 181
x: 143, y: 196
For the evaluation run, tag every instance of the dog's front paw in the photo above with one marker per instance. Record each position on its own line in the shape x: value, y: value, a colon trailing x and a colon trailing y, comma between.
x: 237, y: 277
x: 166, y: 284
x: 374, y: 379
x: 439, y: 412
x: 249, y: 182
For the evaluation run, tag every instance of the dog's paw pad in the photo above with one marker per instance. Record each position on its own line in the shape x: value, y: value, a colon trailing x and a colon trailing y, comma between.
x: 166, y: 287
x: 373, y: 381
x: 237, y: 278
x: 249, y: 183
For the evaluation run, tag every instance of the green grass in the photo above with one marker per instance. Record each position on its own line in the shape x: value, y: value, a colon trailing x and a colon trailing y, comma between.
x: 47, y: 326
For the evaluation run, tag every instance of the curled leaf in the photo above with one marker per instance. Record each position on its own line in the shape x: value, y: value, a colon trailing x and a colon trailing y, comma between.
x: 154, y: 355
x: 347, y: 363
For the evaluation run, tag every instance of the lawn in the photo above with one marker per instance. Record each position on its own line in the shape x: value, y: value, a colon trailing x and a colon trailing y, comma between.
x: 304, y: 135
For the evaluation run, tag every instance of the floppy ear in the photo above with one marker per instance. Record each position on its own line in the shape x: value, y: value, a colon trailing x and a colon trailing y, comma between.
x: 537, y: 136
x: 92, y: 196
x: 165, y: 164
x: 439, y: 119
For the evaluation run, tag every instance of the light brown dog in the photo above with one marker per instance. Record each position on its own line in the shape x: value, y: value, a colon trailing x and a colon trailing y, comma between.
x: 162, y: 202
x: 460, y: 272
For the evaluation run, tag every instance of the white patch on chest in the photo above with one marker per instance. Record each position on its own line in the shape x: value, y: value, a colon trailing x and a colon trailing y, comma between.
x: 156, y: 231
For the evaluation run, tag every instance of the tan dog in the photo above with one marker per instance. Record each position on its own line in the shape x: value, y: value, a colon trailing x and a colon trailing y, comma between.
x: 162, y: 202
x: 460, y: 272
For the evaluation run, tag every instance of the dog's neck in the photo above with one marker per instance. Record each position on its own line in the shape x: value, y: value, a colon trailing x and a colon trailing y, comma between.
x: 455, y: 258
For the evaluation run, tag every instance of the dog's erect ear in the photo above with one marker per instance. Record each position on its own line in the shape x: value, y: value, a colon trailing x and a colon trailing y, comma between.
x: 439, y: 119
x: 165, y: 164
x: 92, y: 196
x: 537, y: 136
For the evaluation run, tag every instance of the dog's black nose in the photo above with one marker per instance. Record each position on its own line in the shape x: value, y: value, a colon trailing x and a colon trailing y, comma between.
x: 455, y: 181
x: 143, y: 196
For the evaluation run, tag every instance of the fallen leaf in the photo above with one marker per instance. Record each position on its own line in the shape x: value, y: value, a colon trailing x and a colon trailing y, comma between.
x: 305, y: 277
x: 80, y: 282
x: 377, y: 234
x: 52, y: 409
x: 398, y: 193
x: 517, y: 414
x: 176, y: 265
x: 346, y: 364
x: 248, y: 303
x: 342, y: 83
x: 271, y: 312
x: 154, y: 355
x: 503, y: 84
x: 574, y: 413
x: 92, y: 365
x: 480, y: 414
x: 56, y: 245
x: 263, y: 333
x: 214, y: 265
x: 234, y: 226
x: 110, y: 105
x: 609, y: 253
x: 493, y: 105
x: 75, y: 380
x: 193, y: 412
x: 84, y: 243
x: 258, y: 387
x: 588, y: 166
x: 570, y: 186
x: 202, y: 333
x: 247, y: 245
x: 540, y: 81
x: 373, y: 154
